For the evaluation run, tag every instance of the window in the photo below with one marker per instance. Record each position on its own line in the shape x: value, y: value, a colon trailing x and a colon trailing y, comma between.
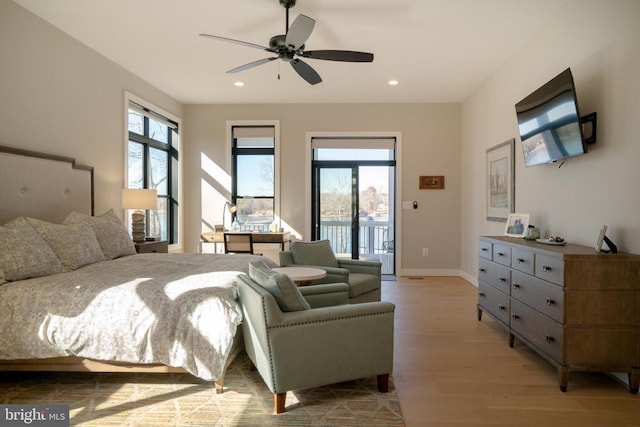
x: 253, y: 188
x: 152, y: 162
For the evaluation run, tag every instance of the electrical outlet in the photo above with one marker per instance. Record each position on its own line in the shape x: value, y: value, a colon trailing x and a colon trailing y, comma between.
x: 425, y: 251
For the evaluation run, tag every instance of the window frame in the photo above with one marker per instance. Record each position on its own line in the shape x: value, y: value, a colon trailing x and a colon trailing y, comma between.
x: 232, y: 161
x: 172, y: 148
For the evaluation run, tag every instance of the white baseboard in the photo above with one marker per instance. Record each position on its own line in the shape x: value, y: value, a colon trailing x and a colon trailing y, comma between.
x: 471, y: 279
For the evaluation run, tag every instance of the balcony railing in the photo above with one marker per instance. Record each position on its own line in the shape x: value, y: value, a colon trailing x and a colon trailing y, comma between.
x: 376, y: 241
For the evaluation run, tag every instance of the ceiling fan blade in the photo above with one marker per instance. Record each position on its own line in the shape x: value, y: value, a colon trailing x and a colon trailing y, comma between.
x: 299, y: 31
x: 240, y: 42
x: 306, y: 72
x: 339, y: 55
x: 252, y: 64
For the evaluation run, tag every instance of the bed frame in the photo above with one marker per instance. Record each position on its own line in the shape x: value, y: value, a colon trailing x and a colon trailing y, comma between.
x: 48, y: 187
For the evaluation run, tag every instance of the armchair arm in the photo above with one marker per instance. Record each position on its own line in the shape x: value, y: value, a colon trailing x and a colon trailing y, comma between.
x: 360, y: 266
x: 286, y: 258
x: 326, y: 295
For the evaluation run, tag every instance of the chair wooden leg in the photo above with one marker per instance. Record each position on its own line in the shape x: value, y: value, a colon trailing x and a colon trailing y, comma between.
x: 383, y: 383
x: 279, y: 400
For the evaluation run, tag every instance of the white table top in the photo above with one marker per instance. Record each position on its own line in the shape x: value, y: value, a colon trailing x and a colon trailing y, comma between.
x: 302, y: 274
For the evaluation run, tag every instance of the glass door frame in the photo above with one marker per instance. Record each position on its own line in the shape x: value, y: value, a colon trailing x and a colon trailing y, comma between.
x: 354, y: 165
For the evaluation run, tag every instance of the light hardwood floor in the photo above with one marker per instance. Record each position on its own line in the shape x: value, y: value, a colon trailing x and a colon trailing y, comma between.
x: 450, y: 369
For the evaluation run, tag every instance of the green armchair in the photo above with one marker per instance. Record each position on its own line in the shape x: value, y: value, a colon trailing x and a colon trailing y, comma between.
x: 363, y: 277
x: 306, y: 337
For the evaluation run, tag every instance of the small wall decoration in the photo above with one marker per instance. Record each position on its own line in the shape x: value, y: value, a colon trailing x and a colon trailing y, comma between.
x: 517, y: 225
x: 501, y: 181
x: 432, y: 182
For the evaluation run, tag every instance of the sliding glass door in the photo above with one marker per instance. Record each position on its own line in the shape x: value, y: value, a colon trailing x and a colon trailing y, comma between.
x: 353, y: 209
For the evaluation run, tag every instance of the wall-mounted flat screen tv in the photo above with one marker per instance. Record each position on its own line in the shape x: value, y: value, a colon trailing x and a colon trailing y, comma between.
x: 549, y: 122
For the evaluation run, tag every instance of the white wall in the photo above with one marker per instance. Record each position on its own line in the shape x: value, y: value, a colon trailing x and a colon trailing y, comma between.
x: 60, y: 97
x: 430, y: 146
x: 600, y: 41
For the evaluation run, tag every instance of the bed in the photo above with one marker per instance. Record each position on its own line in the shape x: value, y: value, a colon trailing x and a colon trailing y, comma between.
x: 74, y: 295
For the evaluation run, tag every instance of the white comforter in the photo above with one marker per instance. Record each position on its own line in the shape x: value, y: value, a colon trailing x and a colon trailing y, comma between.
x: 176, y: 309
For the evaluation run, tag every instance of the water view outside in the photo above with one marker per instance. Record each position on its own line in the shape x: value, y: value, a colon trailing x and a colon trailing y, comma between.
x: 375, y: 230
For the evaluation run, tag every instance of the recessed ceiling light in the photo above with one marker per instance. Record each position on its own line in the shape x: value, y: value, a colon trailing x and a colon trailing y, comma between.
x: 393, y: 83
x: 238, y: 84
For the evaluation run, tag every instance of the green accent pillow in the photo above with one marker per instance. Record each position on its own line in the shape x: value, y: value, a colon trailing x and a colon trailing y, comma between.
x: 314, y: 253
x: 283, y: 289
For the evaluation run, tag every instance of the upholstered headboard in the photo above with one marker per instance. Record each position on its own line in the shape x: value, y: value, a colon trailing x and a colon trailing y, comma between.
x: 43, y: 186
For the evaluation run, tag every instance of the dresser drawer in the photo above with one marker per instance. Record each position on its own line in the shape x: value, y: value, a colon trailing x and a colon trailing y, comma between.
x: 485, y: 249
x: 522, y: 260
x: 495, y: 275
x: 538, y: 329
x: 549, y: 268
x: 494, y: 302
x: 502, y: 254
x: 544, y: 297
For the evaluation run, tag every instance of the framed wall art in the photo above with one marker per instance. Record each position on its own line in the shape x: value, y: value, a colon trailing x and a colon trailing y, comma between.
x: 432, y: 182
x: 501, y: 181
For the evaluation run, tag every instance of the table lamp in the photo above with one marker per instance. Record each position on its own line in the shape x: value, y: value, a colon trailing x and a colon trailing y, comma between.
x: 139, y: 199
x: 232, y: 208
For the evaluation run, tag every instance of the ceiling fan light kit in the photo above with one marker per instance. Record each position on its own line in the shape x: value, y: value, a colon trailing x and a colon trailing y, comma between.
x: 290, y: 46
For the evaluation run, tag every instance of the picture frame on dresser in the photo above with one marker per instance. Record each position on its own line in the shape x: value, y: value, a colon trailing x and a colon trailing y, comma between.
x: 501, y: 181
x: 517, y: 224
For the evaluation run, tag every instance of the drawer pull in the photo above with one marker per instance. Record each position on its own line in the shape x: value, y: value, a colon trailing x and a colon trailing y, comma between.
x: 519, y: 260
x: 484, y: 249
x: 515, y: 316
x: 502, y: 279
x: 481, y: 294
x: 550, y: 302
x: 500, y: 253
x: 516, y: 286
x: 549, y: 339
x: 502, y: 308
x: 546, y: 268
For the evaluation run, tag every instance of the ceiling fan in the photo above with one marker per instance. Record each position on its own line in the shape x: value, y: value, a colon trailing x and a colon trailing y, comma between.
x: 290, y: 46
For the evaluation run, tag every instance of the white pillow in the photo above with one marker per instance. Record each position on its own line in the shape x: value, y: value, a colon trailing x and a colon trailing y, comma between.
x: 113, y: 237
x: 75, y: 245
x: 24, y: 254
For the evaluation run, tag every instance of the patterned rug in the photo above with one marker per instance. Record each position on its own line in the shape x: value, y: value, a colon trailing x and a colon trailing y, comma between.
x: 182, y: 400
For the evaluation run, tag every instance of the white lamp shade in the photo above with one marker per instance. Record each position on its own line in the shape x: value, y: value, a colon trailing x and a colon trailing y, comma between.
x: 139, y: 198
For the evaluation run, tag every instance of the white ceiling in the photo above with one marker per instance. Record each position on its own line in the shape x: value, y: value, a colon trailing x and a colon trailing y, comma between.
x: 439, y: 50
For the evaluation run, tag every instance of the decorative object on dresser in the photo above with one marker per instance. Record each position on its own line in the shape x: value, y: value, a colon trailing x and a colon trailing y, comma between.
x: 152, y: 246
x: 501, y: 182
x: 517, y: 225
x: 139, y: 199
x: 576, y: 308
x: 602, y: 238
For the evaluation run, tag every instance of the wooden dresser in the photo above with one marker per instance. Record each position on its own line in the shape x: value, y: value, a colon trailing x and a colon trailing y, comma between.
x: 577, y: 308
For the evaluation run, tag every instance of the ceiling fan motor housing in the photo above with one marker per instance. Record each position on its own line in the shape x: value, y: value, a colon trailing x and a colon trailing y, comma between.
x: 278, y: 45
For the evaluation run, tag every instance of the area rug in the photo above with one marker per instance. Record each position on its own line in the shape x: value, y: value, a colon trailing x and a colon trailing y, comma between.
x: 181, y: 400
